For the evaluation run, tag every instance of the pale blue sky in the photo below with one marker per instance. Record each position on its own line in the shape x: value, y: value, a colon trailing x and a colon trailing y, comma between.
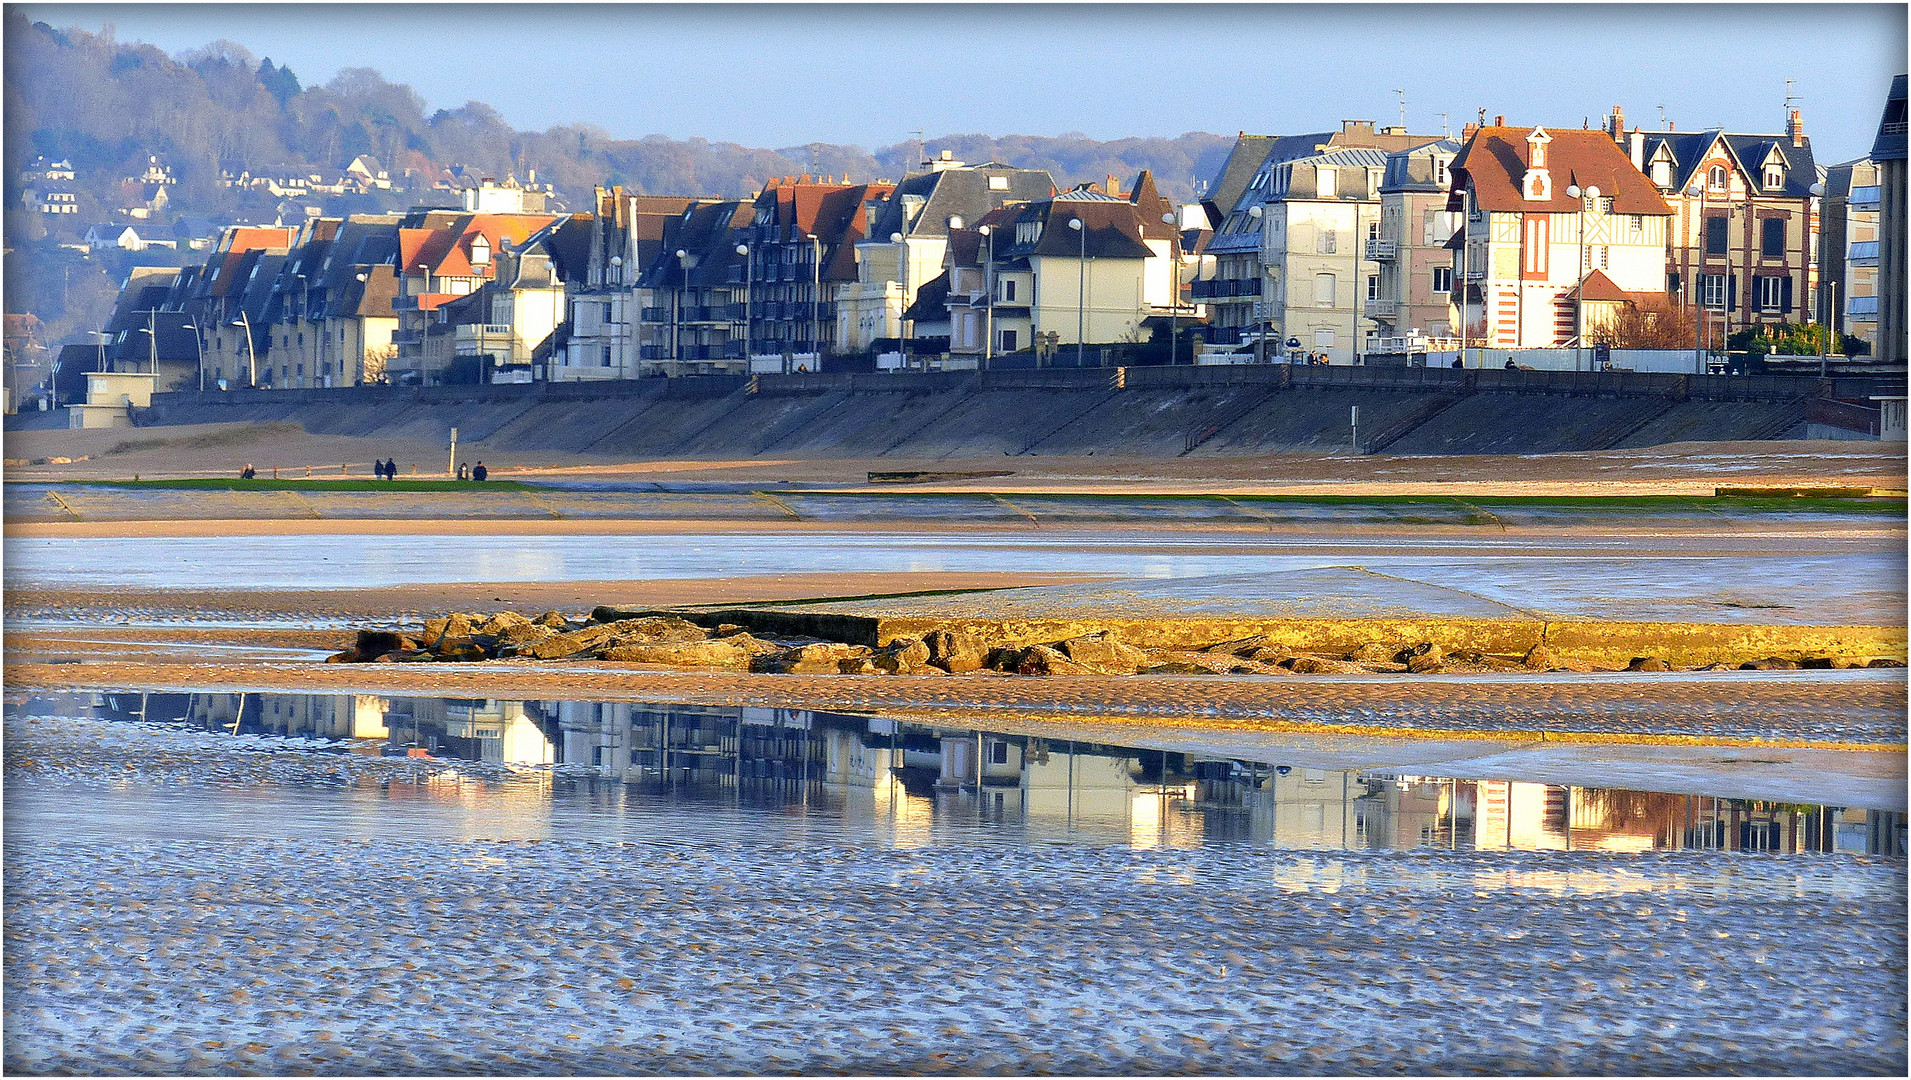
x: 870, y: 74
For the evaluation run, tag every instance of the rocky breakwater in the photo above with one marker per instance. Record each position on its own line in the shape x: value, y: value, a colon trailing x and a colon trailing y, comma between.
x: 669, y: 639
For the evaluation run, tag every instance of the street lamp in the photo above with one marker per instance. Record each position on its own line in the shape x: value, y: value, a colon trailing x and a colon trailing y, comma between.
x: 252, y: 358
x: 1573, y: 191
x: 1174, y: 285
x: 988, y: 287
x: 1081, y: 291
x: 902, y: 324
x: 1825, y: 310
x: 1260, y: 316
x: 749, y: 273
x: 676, y: 310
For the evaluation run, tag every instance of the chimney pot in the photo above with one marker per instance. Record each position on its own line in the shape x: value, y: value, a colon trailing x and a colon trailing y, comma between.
x: 1796, y: 127
x: 1499, y: 121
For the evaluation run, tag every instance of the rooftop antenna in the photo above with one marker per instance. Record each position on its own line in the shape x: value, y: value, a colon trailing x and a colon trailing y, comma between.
x: 1661, y: 108
x: 1403, y: 109
x: 1446, y: 129
x: 1790, y: 100
x: 922, y: 152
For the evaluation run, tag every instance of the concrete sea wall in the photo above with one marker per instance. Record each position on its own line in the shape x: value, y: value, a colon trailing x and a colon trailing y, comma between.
x: 1159, y: 412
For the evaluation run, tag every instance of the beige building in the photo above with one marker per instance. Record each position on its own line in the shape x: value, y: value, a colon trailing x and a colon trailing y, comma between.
x: 1413, y: 309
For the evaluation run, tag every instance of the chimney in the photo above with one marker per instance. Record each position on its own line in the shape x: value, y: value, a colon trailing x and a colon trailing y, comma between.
x: 1795, y: 127
x: 1468, y: 130
x: 1616, y: 125
x: 1636, y: 149
x: 1499, y: 121
x: 1114, y: 186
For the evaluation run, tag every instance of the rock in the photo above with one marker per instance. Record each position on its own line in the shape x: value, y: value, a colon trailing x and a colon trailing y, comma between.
x: 1178, y: 662
x: 1647, y: 663
x: 593, y: 640
x: 1770, y: 663
x: 1425, y: 658
x: 349, y: 656
x: 1303, y: 664
x: 1045, y: 660
x: 956, y: 651
x: 820, y: 658
x: 1540, y: 657
x: 501, y: 622
x: 551, y: 620
x: 467, y: 653
x: 857, y: 665
x: 1104, y: 651
x: 731, y: 654
x: 903, y: 656
x: 451, y: 629
x: 728, y: 629
x: 1819, y: 663
x: 1257, y: 647
x: 377, y: 642
x: 514, y: 641
x: 1885, y: 662
x: 1375, y: 652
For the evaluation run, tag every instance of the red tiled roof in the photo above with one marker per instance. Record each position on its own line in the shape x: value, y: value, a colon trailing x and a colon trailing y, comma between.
x: 1495, y: 160
x: 1598, y: 288
x: 265, y: 238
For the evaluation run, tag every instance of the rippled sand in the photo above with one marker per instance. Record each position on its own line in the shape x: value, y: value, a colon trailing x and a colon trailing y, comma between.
x: 700, y: 956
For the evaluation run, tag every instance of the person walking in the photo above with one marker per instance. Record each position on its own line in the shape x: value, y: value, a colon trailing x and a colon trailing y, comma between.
x: 463, y: 473
x: 479, y: 472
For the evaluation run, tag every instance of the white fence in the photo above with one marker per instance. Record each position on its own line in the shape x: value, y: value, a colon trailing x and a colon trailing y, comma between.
x: 1669, y: 361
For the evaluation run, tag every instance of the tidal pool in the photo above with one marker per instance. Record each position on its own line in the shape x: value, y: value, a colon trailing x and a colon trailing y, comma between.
x: 371, y: 885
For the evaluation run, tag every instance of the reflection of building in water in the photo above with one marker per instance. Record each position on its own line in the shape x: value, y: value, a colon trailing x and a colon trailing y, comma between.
x: 476, y: 729
x: 323, y: 716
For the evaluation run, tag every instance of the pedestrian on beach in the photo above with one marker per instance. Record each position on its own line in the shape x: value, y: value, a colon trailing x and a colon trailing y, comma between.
x: 479, y: 472
x: 247, y: 473
x: 391, y: 468
x: 463, y: 473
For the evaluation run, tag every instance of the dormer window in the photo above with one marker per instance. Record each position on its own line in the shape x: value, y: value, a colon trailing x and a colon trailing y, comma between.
x: 480, y: 251
x: 1662, y: 173
x: 1440, y: 171
x: 1715, y: 180
x: 1774, y: 177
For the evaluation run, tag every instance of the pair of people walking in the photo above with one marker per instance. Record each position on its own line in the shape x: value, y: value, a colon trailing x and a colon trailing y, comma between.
x: 386, y: 470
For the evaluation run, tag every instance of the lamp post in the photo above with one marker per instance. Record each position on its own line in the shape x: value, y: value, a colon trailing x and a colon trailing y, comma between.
x: 749, y: 271
x: 1260, y: 298
x: 1081, y: 290
x: 199, y: 355
x: 1824, y: 309
x: 988, y: 288
x: 902, y: 324
x: 252, y: 358
x: 1174, y: 284
x: 1579, y: 309
x: 676, y: 310
x: 816, y: 296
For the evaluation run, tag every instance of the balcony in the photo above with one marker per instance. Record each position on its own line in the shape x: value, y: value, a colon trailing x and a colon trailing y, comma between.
x: 1381, y: 309
x: 1862, y: 253
x: 1476, y: 273
x: 655, y: 315
x: 1380, y: 250
x: 1402, y: 344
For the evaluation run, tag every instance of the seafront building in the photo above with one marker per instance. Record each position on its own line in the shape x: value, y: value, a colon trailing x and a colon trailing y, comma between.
x: 1353, y: 246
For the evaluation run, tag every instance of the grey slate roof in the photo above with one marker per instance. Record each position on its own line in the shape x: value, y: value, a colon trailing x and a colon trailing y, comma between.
x: 1889, y: 145
x: 962, y: 193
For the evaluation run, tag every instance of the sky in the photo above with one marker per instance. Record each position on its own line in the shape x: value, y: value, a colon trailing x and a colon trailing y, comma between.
x: 872, y: 74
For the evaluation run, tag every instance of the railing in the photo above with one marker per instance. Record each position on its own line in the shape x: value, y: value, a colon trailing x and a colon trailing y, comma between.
x: 1381, y: 309
x: 1399, y: 344
x: 655, y: 315
x: 1476, y: 273
x: 1223, y: 288
x: 1380, y: 250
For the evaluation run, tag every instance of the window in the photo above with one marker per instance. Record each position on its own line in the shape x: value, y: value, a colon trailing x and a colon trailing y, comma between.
x: 1323, y: 339
x: 1443, y: 279
x: 1373, y: 230
x: 1326, y: 242
x: 1324, y: 290
x: 1715, y: 227
x: 998, y: 183
x: 1636, y: 226
x: 1771, y: 238
x: 1716, y: 178
x: 1712, y: 290
x: 1773, y: 293
x: 1774, y: 177
x: 1008, y: 289
x: 1662, y: 173
x: 1440, y: 171
x: 604, y: 359
x: 1326, y: 182
x: 1008, y: 341
x: 998, y: 753
x: 1373, y: 287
